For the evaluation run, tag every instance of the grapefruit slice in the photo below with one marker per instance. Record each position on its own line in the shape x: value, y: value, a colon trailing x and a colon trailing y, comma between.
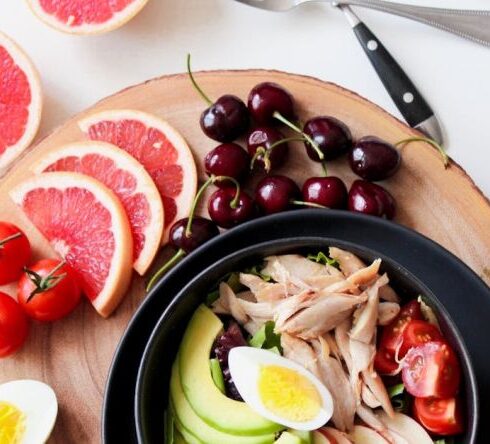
x: 86, y: 16
x: 20, y: 101
x: 158, y: 147
x: 86, y: 225
x: 124, y: 175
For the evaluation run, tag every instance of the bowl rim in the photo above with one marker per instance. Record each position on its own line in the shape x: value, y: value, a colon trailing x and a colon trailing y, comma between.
x: 473, y: 400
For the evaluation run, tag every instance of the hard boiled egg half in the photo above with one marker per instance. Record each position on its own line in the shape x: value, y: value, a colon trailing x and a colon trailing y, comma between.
x: 279, y: 389
x: 28, y: 412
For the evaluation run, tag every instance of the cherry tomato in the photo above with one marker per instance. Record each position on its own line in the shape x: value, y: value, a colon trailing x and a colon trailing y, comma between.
x: 417, y: 333
x: 440, y: 416
x: 431, y: 370
x: 15, y: 252
x: 391, y: 338
x: 49, y: 290
x: 13, y: 325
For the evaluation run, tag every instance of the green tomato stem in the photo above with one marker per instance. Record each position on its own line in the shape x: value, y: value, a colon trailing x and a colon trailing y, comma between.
x: 10, y: 238
x: 438, y: 147
x: 173, y: 260
x: 194, y: 83
x: 47, y: 282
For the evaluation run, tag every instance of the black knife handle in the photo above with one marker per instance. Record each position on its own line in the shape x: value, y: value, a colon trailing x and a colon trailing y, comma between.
x: 407, y: 98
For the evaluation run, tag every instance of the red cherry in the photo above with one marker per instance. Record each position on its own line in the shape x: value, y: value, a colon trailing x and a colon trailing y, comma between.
x: 276, y: 193
x: 272, y: 154
x: 329, y: 191
x: 332, y: 137
x: 369, y: 198
x: 267, y: 98
x: 226, y: 212
x: 227, y: 159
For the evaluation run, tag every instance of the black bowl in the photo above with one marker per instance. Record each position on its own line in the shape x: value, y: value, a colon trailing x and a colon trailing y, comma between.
x: 154, y: 372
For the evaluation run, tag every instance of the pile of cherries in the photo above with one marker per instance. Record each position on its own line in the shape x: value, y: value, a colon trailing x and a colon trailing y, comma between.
x: 229, y: 165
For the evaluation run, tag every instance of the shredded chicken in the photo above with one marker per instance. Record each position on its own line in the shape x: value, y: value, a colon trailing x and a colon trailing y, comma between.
x: 364, y: 327
x: 328, y: 311
x: 334, y: 377
x: 263, y: 291
x: 328, y: 322
x: 387, y: 312
x: 300, y: 352
x: 375, y: 384
x: 348, y: 262
x: 367, y: 415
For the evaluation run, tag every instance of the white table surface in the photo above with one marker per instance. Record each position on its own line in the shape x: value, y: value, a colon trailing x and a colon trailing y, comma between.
x: 452, y: 73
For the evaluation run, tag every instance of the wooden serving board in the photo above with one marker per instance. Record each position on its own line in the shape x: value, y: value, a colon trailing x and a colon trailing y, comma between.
x: 74, y: 355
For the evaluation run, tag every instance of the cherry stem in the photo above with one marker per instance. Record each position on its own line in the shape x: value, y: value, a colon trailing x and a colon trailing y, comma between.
x: 438, y: 147
x: 307, y: 204
x: 212, y: 179
x: 294, y: 127
x: 194, y: 83
x: 172, y: 261
x: 10, y: 238
x: 266, y: 153
x: 47, y: 282
x: 325, y: 169
x: 197, y: 198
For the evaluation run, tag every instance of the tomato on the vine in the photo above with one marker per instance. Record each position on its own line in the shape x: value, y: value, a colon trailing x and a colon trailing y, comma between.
x: 431, y: 370
x: 49, y: 290
x: 440, y: 416
x: 391, y: 338
x: 15, y: 252
x: 13, y: 325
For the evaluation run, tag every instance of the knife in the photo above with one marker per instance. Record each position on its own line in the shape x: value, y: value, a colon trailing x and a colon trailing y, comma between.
x: 408, y: 99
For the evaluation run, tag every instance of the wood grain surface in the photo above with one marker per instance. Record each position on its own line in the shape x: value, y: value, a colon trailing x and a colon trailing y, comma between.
x: 74, y: 355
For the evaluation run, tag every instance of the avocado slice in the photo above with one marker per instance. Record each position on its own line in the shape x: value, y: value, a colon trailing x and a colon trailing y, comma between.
x: 303, y: 435
x: 212, y: 406
x: 288, y: 438
x: 178, y: 438
x: 188, y: 421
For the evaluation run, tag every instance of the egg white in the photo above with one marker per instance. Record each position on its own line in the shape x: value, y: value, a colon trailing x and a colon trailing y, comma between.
x: 37, y: 401
x: 245, y: 364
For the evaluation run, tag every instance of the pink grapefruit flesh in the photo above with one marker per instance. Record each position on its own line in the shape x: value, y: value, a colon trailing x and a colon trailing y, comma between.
x: 86, y: 225
x: 124, y: 175
x: 158, y: 147
x: 20, y: 101
x: 86, y: 16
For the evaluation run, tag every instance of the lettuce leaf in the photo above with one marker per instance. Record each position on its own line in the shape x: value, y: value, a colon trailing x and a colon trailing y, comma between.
x: 324, y: 259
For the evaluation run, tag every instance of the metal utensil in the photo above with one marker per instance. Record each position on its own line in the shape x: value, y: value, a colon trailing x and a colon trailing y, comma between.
x: 470, y: 24
x: 403, y: 92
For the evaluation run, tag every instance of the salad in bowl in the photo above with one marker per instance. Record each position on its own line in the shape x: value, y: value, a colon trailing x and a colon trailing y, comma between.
x: 314, y: 349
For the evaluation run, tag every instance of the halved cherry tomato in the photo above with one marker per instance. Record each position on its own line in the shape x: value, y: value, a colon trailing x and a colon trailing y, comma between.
x: 391, y: 337
x: 417, y: 333
x: 49, y: 290
x: 384, y: 361
x: 439, y: 416
x: 431, y: 370
x: 15, y: 252
x: 13, y: 325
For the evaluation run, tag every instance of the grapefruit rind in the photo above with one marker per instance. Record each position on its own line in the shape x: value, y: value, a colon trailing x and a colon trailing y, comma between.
x: 23, y: 61
x: 145, y: 185
x: 118, y: 19
x: 185, y: 157
x: 119, y: 276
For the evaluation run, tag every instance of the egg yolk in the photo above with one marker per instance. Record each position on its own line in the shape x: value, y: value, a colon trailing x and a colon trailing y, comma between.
x: 11, y: 424
x: 288, y: 394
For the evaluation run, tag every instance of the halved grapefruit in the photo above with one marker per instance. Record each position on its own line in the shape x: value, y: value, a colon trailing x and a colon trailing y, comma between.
x: 20, y: 101
x: 86, y: 16
x: 86, y: 224
x: 158, y: 147
x: 124, y: 175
